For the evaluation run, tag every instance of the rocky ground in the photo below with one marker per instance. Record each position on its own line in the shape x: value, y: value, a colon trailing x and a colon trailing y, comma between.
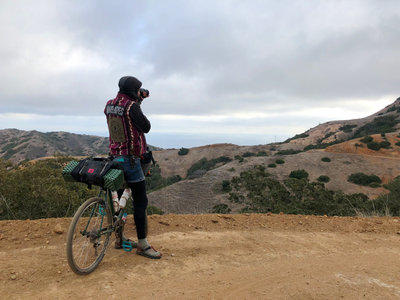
x: 245, y: 256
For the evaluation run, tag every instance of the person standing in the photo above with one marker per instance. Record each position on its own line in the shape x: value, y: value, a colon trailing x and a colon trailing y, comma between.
x: 127, y: 126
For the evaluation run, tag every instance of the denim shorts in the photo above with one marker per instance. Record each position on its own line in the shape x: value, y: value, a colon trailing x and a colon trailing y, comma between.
x: 132, y: 173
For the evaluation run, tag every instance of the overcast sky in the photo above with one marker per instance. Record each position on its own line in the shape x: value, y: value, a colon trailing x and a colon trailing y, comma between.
x: 243, y: 72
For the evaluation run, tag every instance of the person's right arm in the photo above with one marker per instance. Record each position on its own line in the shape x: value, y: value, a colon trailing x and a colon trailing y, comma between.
x: 139, y: 120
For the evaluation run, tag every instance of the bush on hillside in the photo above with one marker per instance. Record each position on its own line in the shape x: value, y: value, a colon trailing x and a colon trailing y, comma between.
x: 153, y: 210
x: 363, y: 179
x: 262, y: 153
x: 280, y: 161
x: 156, y: 181
x: 373, y: 146
x: 248, y: 154
x: 205, y: 164
x: 258, y: 192
x: 323, y: 178
x: 221, y: 209
x: 299, y: 174
x: 383, y: 124
x: 385, y: 144
x: 239, y: 158
x: 288, y: 152
x: 326, y: 159
x: 183, y: 151
x: 347, y: 128
x: 271, y: 165
x: 226, y: 186
x: 367, y: 139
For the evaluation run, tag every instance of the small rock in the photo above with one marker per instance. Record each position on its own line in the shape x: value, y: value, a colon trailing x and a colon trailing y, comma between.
x: 163, y: 223
x: 214, y: 221
x: 27, y: 239
x: 47, y: 242
x: 173, y: 254
x: 398, y: 232
x: 269, y: 213
x: 13, y: 277
x: 58, y: 229
x: 58, y: 272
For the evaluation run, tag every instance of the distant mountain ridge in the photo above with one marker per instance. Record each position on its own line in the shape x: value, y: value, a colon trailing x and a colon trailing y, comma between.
x: 18, y: 145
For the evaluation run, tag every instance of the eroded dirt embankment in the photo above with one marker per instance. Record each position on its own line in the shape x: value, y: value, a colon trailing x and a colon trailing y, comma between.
x: 213, y: 257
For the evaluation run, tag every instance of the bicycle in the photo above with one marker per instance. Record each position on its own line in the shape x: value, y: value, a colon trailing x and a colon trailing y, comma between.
x: 92, y: 225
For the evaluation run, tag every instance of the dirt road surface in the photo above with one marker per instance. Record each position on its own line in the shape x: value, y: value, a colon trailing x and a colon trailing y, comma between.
x: 213, y: 257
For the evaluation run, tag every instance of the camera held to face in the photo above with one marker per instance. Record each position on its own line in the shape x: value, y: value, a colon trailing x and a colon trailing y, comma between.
x: 143, y: 93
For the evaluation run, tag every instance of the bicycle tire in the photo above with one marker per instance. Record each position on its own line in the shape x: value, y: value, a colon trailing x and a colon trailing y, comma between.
x: 87, y: 241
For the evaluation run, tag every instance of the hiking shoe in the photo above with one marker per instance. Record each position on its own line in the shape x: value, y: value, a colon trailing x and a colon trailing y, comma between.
x: 149, y: 252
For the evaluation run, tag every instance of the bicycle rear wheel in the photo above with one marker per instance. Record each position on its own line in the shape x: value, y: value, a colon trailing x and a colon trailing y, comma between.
x: 88, y: 236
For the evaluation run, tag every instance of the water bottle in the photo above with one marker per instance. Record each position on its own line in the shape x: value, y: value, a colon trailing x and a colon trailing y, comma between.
x: 125, y: 196
x: 124, y: 217
x: 114, y: 196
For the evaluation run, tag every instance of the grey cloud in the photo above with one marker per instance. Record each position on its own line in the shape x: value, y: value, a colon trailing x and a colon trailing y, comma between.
x: 197, y: 57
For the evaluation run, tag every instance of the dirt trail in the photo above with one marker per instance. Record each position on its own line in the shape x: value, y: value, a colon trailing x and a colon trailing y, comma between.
x: 214, y: 257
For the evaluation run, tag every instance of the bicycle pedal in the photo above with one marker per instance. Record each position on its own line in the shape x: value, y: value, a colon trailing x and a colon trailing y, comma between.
x: 127, y: 246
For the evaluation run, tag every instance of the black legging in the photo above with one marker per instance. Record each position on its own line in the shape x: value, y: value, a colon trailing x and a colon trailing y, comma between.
x: 140, y: 202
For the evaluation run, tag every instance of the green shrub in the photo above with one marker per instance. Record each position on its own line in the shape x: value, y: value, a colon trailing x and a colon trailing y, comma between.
x: 397, y: 144
x: 280, y: 161
x: 271, y: 165
x: 258, y: 192
x: 36, y: 191
x: 320, y: 145
x: 367, y: 139
x: 239, y: 158
x: 374, y: 185
x: 347, y: 128
x: 183, y: 151
x: 232, y: 169
x: 323, y: 178
x: 363, y: 179
x: 262, y: 153
x: 393, y: 108
x: 297, y: 136
x: 226, y: 186
x: 204, y: 164
x: 374, y: 146
x: 299, y: 174
x: 221, y: 209
x: 326, y: 159
x: 248, y: 154
x: 383, y: 124
x: 288, y: 152
x: 385, y: 144
x: 153, y: 210
x: 156, y: 181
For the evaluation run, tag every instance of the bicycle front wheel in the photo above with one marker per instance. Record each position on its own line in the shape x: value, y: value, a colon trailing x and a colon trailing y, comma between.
x: 88, y: 236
